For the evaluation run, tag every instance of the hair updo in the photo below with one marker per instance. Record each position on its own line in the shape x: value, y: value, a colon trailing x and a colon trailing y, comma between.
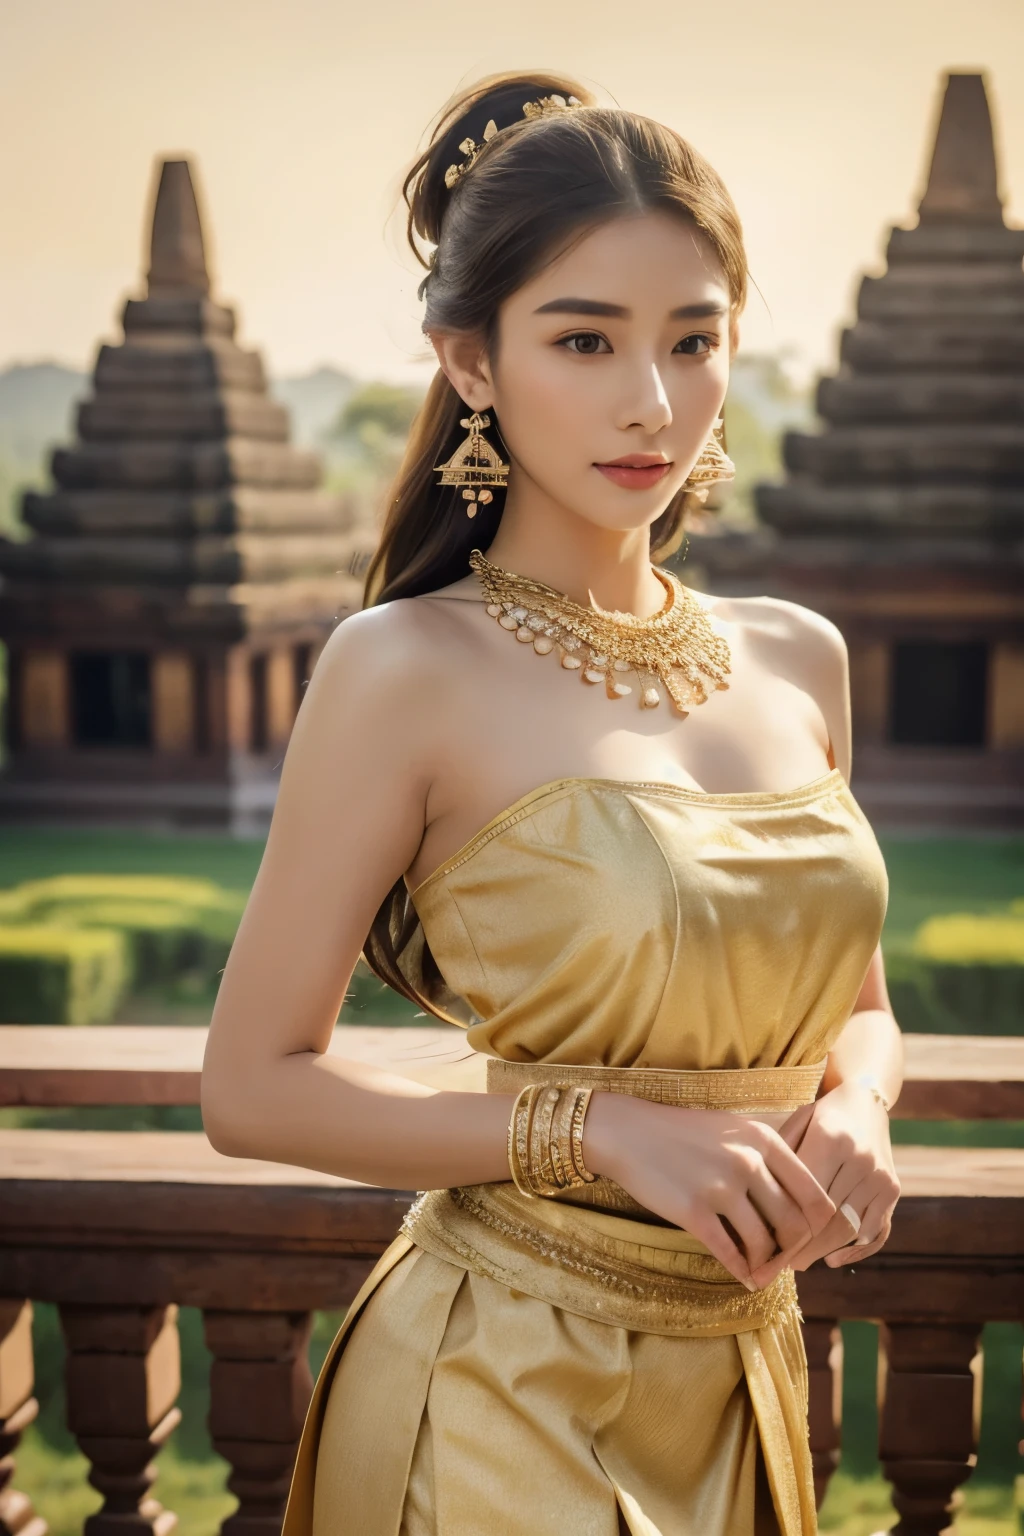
x: 536, y: 184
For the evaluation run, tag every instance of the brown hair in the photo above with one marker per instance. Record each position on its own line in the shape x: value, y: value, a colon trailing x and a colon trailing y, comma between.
x: 536, y: 185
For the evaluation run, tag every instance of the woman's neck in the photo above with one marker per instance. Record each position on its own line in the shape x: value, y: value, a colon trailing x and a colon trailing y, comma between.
x: 606, y: 566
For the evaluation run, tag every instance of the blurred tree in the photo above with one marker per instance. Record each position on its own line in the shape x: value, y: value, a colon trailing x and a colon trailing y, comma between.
x: 376, y: 419
x: 763, y: 402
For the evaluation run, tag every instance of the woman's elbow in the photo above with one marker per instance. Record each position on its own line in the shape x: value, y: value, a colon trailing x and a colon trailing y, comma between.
x: 224, y: 1120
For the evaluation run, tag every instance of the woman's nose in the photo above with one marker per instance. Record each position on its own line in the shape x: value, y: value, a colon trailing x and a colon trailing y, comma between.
x: 646, y: 405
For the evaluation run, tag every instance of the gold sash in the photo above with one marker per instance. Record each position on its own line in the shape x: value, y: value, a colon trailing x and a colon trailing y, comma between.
x: 596, y: 1250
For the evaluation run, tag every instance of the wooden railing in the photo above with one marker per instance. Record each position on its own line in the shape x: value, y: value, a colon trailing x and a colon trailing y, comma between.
x: 118, y: 1229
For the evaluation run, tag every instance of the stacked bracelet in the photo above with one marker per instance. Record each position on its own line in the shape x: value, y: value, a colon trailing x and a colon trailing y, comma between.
x: 545, y: 1140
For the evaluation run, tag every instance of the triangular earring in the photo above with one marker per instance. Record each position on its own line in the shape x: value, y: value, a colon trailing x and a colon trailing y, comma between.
x: 476, y: 465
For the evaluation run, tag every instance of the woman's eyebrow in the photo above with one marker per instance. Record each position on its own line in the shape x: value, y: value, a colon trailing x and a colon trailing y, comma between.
x: 705, y: 310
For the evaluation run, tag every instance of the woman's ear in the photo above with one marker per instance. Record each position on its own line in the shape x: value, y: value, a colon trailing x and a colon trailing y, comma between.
x: 463, y: 360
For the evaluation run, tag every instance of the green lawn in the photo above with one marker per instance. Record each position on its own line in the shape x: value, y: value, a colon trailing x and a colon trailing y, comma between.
x: 34, y: 853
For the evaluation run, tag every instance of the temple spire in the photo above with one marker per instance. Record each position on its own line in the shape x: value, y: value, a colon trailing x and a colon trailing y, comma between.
x: 963, y: 183
x: 177, y: 265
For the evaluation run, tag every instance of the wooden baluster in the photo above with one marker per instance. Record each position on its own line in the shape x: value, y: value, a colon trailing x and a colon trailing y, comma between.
x: 824, y: 1345
x: 928, y: 1431
x: 123, y: 1375
x: 260, y: 1386
x: 17, y: 1410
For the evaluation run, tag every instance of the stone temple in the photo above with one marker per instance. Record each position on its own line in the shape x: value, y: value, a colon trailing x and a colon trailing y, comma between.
x: 180, y: 578
x: 902, y: 518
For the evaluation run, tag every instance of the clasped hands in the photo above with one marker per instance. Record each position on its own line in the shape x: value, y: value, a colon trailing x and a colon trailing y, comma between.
x: 761, y: 1199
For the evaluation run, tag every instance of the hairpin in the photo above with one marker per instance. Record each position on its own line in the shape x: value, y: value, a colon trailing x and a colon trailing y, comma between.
x: 470, y: 148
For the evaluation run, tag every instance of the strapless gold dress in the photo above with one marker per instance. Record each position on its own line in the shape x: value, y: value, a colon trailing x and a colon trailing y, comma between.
x: 518, y: 1367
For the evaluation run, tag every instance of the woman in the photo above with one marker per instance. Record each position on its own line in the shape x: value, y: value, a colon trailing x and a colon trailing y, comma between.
x: 639, y: 878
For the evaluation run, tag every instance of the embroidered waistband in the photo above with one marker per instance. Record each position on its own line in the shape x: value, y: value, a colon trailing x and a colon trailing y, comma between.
x: 744, y: 1090
x: 769, y: 1092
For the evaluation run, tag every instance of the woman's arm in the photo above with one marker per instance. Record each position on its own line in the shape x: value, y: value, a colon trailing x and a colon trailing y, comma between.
x: 844, y: 1136
x: 349, y: 818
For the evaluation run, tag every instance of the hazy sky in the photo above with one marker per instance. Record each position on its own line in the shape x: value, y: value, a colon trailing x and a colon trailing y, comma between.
x: 301, y: 115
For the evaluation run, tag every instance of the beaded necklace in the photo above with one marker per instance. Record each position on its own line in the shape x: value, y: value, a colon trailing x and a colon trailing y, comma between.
x: 675, y: 646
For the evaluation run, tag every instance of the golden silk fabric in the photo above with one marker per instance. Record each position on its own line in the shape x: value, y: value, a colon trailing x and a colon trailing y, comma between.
x: 522, y: 1367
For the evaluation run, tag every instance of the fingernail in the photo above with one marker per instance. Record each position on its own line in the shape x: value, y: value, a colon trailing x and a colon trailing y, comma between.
x: 750, y: 1285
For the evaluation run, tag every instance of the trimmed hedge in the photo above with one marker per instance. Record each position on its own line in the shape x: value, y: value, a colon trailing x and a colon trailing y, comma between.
x: 52, y: 975
x: 172, y: 926
x: 962, y: 974
x: 74, y: 945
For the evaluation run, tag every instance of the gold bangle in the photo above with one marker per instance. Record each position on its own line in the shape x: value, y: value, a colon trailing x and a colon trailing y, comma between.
x: 540, y: 1172
x: 519, y: 1137
x: 581, y: 1103
x: 545, y: 1140
x: 561, y: 1142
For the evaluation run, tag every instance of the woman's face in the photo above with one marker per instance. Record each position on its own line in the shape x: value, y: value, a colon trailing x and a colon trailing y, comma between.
x: 619, y: 348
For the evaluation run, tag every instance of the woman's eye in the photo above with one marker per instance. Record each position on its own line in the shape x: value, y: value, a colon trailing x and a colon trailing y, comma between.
x: 693, y: 346
x: 588, y: 343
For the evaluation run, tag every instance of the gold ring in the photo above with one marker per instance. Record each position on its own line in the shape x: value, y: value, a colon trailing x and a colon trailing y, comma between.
x: 851, y: 1216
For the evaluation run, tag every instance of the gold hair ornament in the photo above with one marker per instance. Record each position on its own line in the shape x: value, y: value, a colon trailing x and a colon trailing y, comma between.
x: 676, y: 646
x: 470, y: 148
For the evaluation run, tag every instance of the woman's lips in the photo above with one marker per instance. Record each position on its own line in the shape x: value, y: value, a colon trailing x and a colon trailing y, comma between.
x: 634, y: 477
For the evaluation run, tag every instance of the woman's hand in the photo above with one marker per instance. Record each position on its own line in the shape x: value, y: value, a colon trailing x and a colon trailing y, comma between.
x: 843, y: 1139
x: 730, y: 1180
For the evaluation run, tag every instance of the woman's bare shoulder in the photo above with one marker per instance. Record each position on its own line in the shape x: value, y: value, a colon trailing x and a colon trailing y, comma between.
x: 778, y: 619
x: 388, y: 671
x: 397, y: 637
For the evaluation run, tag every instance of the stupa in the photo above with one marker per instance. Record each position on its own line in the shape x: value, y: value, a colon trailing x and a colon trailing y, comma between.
x: 180, y: 578
x: 902, y: 519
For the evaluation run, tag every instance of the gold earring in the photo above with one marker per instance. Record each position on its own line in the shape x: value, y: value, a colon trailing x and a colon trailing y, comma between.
x: 475, y: 465
x: 713, y: 466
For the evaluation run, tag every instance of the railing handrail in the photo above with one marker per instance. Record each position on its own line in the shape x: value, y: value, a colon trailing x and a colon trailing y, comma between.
x: 948, y: 1077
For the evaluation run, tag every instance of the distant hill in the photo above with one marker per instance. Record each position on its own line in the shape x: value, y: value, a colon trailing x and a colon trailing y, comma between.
x: 35, y: 408
x: 315, y: 401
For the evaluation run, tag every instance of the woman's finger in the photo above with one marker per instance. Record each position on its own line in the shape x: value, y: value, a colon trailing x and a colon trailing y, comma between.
x: 852, y: 1184
x: 842, y: 1229
x: 877, y: 1216
x: 705, y: 1225
x: 759, y: 1243
x: 792, y: 1130
x: 853, y: 1252
x: 798, y: 1181
x: 779, y: 1210
x: 825, y: 1155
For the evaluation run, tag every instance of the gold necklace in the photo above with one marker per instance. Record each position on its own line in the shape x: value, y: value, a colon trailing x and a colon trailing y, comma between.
x: 676, y: 646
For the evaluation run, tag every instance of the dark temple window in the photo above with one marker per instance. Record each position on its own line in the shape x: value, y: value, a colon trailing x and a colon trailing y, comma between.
x: 110, y: 699
x: 939, y: 693
x: 258, y: 702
